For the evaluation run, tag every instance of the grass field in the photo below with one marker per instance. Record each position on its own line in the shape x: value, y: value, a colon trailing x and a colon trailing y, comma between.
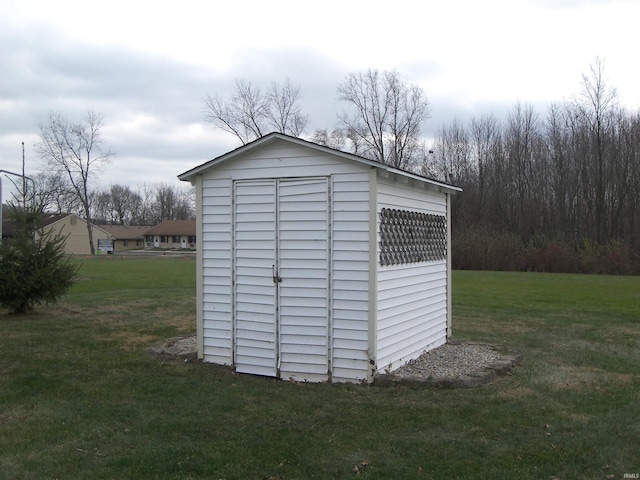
x: 80, y: 397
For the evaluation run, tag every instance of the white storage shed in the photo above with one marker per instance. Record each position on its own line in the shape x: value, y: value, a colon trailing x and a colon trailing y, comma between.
x: 318, y: 265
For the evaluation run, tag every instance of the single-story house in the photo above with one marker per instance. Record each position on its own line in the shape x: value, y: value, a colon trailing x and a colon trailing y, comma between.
x: 75, y: 229
x: 318, y: 265
x: 172, y: 234
x: 126, y: 237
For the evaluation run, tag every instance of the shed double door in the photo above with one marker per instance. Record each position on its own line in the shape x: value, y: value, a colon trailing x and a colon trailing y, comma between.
x: 281, y: 278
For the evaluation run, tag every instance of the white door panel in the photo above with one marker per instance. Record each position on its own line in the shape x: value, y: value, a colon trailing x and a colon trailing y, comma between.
x: 254, y: 250
x: 281, y: 231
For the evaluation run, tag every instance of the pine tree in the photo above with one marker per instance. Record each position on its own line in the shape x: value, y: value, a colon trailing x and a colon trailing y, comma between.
x: 33, y: 268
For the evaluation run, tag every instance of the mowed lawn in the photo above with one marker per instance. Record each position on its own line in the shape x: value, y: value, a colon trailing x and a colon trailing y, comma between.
x: 81, y: 397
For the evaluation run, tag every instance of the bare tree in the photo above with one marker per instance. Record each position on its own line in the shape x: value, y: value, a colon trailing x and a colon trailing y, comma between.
x: 102, y: 208
x: 251, y: 114
x: 524, y: 171
x: 145, y: 205
x: 596, y: 109
x: 54, y: 194
x: 118, y: 206
x: 487, y: 146
x: 125, y: 202
x: 335, y: 138
x: 283, y: 111
x: 166, y: 202
x: 452, y: 154
x: 73, y: 150
x: 563, y: 178
x: 451, y: 161
x: 161, y: 201
x: 386, y: 116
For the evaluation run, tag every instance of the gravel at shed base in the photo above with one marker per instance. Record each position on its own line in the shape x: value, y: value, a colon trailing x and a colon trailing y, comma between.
x: 450, y: 360
x: 187, y: 343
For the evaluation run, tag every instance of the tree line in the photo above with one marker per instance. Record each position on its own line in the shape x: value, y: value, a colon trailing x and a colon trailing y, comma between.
x: 117, y: 204
x: 558, y: 191
x: 73, y: 153
x: 552, y: 191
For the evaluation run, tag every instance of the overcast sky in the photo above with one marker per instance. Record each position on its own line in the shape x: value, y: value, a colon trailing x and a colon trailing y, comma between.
x: 146, y: 65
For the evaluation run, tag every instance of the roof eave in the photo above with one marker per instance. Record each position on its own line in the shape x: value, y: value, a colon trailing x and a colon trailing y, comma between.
x: 189, y: 175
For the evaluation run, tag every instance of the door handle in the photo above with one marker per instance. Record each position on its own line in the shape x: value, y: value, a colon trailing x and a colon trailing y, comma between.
x: 276, y: 278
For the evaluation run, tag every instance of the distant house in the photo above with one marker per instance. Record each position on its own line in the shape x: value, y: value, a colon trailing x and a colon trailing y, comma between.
x: 126, y: 237
x: 172, y: 234
x: 75, y: 229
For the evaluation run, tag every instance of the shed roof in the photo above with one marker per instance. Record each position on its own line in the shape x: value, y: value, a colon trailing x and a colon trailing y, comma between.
x: 174, y: 227
x: 189, y: 175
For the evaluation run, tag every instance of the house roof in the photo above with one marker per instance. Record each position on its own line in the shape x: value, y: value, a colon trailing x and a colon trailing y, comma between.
x: 46, y: 220
x: 126, y: 232
x: 189, y: 175
x: 49, y: 218
x: 174, y: 227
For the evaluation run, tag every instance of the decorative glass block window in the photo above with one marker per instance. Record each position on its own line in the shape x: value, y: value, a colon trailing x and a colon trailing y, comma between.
x: 411, y: 237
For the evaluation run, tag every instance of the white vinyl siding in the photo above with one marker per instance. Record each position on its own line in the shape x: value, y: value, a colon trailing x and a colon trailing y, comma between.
x: 281, y: 278
x: 216, y: 271
x: 303, y: 260
x: 411, y: 298
x: 410, y: 195
x: 291, y: 162
x: 411, y: 312
x: 350, y: 280
x: 255, y: 300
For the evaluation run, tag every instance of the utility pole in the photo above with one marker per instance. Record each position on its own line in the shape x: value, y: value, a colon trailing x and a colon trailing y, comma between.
x: 24, y: 180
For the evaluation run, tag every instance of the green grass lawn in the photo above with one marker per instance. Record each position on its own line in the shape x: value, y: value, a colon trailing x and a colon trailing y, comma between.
x: 80, y: 396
